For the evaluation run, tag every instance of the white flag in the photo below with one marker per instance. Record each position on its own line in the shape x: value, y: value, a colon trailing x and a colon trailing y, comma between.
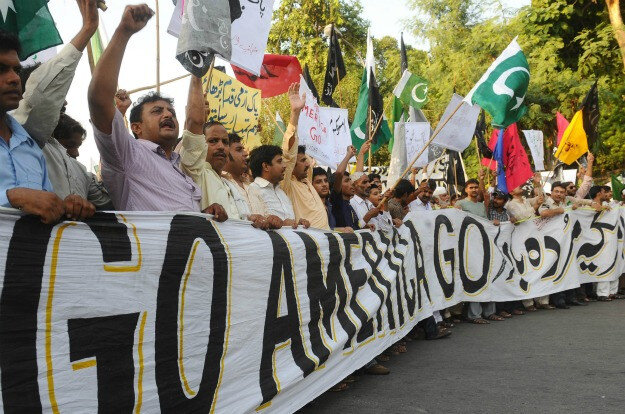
x: 336, y: 124
x: 535, y: 142
x: 458, y: 131
x: 399, y: 160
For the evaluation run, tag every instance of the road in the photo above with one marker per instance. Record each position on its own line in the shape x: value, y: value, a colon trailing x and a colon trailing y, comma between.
x: 557, y: 361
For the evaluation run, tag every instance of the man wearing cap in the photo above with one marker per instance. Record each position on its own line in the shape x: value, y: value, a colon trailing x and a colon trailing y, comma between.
x: 365, y: 210
x: 441, y: 197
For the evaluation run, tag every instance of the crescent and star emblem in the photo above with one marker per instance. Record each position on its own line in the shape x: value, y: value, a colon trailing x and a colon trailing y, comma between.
x: 500, y: 87
x: 414, y: 92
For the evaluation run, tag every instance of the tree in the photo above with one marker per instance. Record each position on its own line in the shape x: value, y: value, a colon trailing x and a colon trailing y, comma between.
x: 614, y: 11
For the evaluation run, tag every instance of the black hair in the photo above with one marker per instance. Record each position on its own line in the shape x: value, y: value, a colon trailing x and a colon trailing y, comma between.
x: 567, y: 183
x: 301, y: 149
x: 558, y: 184
x: 372, y: 186
x: 471, y: 181
x: 373, y: 176
x: 67, y: 127
x: 26, y: 72
x: 595, y: 190
x: 607, y: 188
x: 319, y: 171
x: 211, y: 123
x: 234, y: 139
x: 9, y: 41
x: 136, y: 111
x: 403, y: 187
x: 262, y: 155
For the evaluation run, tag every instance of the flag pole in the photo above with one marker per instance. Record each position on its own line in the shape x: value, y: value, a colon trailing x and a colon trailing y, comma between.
x: 427, y: 144
x: 273, y: 118
x: 370, y: 136
x: 158, y: 50
x: 145, y: 88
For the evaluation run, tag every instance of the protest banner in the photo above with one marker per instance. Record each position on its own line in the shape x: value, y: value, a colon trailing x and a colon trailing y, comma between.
x: 235, y: 105
x: 416, y: 135
x: 166, y: 312
x: 534, y: 140
x: 458, y: 132
x: 336, y: 124
x: 249, y: 31
x: 313, y: 131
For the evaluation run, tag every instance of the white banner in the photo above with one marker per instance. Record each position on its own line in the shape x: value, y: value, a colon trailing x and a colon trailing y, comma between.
x: 164, y: 312
x: 535, y: 142
x: 335, y: 123
x: 416, y: 135
x: 249, y: 32
x: 458, y: 132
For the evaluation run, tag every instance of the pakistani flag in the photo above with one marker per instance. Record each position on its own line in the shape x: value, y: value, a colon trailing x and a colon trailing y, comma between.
x: 278, y: 132
x: 501, y: 90
x: 360, y: 124
x: 32, y: 22
x: 412, y: 90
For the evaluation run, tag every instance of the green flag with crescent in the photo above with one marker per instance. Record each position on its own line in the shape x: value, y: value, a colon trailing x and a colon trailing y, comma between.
x: 501, y: 90
x: 412, y: 90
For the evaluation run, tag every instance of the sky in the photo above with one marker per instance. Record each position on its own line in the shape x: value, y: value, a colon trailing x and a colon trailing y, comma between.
x: 139, y: 65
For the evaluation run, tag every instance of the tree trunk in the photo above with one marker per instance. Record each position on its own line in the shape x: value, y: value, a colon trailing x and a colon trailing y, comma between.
x: 614, y: 10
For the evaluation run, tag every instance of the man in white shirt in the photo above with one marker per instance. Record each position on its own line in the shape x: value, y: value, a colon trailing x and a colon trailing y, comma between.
x: 424, y: 197
x: 266, y: 196
x: 365, y: 210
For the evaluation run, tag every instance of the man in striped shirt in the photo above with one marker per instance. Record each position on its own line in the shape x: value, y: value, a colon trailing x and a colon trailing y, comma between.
x: 141, y: 174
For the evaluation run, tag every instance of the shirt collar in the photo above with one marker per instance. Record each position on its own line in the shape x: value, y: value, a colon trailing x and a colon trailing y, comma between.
x: 261, y: 182
x: 154, y: 147
x: 359, y: 200
x: 18, y: 133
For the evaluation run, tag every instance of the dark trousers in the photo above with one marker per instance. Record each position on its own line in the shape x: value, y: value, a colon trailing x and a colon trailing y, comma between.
x: 564, y: 297
x: 509, y: 306
x: 429, y: 326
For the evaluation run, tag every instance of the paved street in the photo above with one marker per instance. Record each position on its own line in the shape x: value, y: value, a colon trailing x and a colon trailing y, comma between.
x: 557, y: 361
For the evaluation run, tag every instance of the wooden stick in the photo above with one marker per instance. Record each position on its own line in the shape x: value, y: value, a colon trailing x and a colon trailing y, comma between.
x: 158, y: 50
x: 427, y: 144
x: 145, y: 88
x: 102, y: 5
x: 370, y: 137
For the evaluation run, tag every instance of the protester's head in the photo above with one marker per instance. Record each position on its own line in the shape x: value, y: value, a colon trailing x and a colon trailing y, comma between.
x: 597, y: 193
x: 70, y: 134
x: 472, y: 188
x: 608, y: 193
x: 571, y: 188
x: 302, y: 164
x: 347, y: 186
x: 320, y: 182
x: 441, y: 195
x: 361, y: 184
x: 153, y: 118
x: 558, y: 191
x: 237, y: 156
x: 375, y: 179
x: 266, y: 161
x: 403, y: 191
x: 427, y: 190
x: 518, y: 191
x: 375, y: 194
x: 453, y: 199
x: 499, y: 199
x: 10, y: 68
x: 218, y: 145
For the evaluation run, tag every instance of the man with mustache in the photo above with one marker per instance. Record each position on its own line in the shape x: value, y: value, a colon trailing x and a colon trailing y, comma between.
x: 141, y: 174
x: 24, y: 182
x: 204, y: 153
x: 297, y: 182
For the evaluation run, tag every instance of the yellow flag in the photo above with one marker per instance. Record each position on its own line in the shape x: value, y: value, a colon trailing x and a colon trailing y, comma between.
x: 235, y: 105
x: 574, y: 143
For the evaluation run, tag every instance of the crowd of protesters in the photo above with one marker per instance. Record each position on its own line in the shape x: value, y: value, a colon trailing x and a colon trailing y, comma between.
x: 146, y: 166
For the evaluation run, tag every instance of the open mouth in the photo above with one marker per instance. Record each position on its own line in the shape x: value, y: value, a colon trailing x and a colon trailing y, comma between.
x: 168, y: 123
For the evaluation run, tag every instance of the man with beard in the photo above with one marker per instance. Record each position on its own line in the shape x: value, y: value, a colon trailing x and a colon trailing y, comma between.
x: 297, y: 183
x: 553, y: 206
x: 204, y: 153
x: 424, y: 197
x: 141, y: 174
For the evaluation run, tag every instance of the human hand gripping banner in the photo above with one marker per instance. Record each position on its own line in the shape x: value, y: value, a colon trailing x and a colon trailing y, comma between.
x: 165, y: 312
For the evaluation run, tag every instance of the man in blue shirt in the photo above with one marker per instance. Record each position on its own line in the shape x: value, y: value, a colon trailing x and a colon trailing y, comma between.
x: 24, y: 182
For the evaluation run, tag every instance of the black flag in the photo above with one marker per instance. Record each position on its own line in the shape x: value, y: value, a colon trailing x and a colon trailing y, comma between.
x: 376, y: 108
x: 309, y: 82
x: 590, y: 115
x: 335, y: 69
x: 404, y: 55
x: 454, y: 176
x: 480, y: 131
